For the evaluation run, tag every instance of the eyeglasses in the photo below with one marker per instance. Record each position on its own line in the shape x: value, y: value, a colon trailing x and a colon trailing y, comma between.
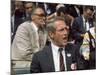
x: 29, y: 7
x: 41, y: 15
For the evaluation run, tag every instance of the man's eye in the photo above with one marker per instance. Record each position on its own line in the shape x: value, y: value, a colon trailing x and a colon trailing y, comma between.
x: 60, y: 29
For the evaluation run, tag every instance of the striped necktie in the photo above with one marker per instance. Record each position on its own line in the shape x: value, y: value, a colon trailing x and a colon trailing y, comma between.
x: 62, y: 67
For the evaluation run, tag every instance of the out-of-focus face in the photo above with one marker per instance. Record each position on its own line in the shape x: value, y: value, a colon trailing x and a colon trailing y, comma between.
x: 89, y: 13
x: 60, y: 36
x: 28, y: 7
x: 19, y: 5
x: 39, y: 17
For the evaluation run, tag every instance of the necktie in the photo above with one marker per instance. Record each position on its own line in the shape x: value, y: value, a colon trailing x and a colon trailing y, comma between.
x: 40, y: 33
x: 62, y: 67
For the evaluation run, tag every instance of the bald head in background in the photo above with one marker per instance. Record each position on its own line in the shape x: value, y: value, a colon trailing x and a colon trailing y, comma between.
x: 38, y: 16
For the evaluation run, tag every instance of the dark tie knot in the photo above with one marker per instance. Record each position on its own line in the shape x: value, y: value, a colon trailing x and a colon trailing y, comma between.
x: 86, y: 20
x: 60, y: 49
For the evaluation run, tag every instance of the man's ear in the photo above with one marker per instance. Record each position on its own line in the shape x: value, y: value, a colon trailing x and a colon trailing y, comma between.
x: 51, y: 34
x: 33, y: 17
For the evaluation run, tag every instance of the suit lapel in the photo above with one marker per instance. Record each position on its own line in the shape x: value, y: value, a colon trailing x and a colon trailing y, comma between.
x: 82, y: 24
x: 66, y: 51
x: 68, y: 57
x: 50, y: 58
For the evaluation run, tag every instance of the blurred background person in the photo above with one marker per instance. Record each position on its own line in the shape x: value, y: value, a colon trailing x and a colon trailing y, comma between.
x: 16, y: 16
x: 22, y: 13
x: 30, y: 38
x: 82, y: 24
x: 29, y: 7
x: 49, y: 8
x: 88, y: 49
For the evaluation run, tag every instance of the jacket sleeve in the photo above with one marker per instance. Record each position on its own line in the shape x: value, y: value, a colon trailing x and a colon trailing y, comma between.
x: 21, y: 45
x: 75, y: 30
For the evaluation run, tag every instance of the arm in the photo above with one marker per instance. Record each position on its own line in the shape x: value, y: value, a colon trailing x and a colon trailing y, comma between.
x: 77, y: 34
x: 21, y: 44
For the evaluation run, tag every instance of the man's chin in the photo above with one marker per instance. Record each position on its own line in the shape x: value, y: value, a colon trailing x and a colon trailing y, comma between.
x: 42, y: 26
x: 64, y: 44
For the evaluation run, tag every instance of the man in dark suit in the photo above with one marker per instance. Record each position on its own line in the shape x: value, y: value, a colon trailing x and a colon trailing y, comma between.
x: 48, y: 59
x: 82, y: 24
x: 74, y: 10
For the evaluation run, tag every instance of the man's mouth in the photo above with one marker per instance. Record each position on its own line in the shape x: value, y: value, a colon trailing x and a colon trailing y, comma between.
x: 65, y: 38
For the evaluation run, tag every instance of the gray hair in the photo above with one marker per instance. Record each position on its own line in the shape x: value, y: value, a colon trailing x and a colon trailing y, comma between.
x: 34, y: 11
x: 51, y: 26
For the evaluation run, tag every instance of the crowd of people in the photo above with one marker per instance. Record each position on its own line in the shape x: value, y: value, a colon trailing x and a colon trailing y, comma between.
x: 51, y: 37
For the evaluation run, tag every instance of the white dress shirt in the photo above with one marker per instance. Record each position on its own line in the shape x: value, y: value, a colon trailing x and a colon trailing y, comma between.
x: 56, y: 56
x: 87, y: 24
x: 38, y: 33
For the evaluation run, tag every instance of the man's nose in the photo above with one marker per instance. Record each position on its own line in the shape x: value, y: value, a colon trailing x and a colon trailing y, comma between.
x: 44, y: 18
x: 66, y: 30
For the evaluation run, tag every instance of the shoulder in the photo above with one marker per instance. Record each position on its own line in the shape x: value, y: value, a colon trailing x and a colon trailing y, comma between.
x: 43, y: 51
x: 71, y: 47
x: 78, y: 18
x: 25, y: 24
x: 41, y: 55
x: 23, y: 27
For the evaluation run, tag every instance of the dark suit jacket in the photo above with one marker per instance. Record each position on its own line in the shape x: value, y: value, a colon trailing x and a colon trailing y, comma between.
x: 43, y: 60
x: 78, y: 29
x: 72, y: 11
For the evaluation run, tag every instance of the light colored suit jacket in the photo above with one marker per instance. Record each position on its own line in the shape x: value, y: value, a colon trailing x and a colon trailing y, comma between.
x: 25, y: 44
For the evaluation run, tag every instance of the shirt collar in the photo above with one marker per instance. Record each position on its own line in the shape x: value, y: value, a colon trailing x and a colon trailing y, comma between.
x: 84, y: 20
x: 34, y: 26
x: 55, y: 47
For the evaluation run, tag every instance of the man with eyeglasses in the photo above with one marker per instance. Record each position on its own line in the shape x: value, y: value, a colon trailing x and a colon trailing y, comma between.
x: 27, y: 41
